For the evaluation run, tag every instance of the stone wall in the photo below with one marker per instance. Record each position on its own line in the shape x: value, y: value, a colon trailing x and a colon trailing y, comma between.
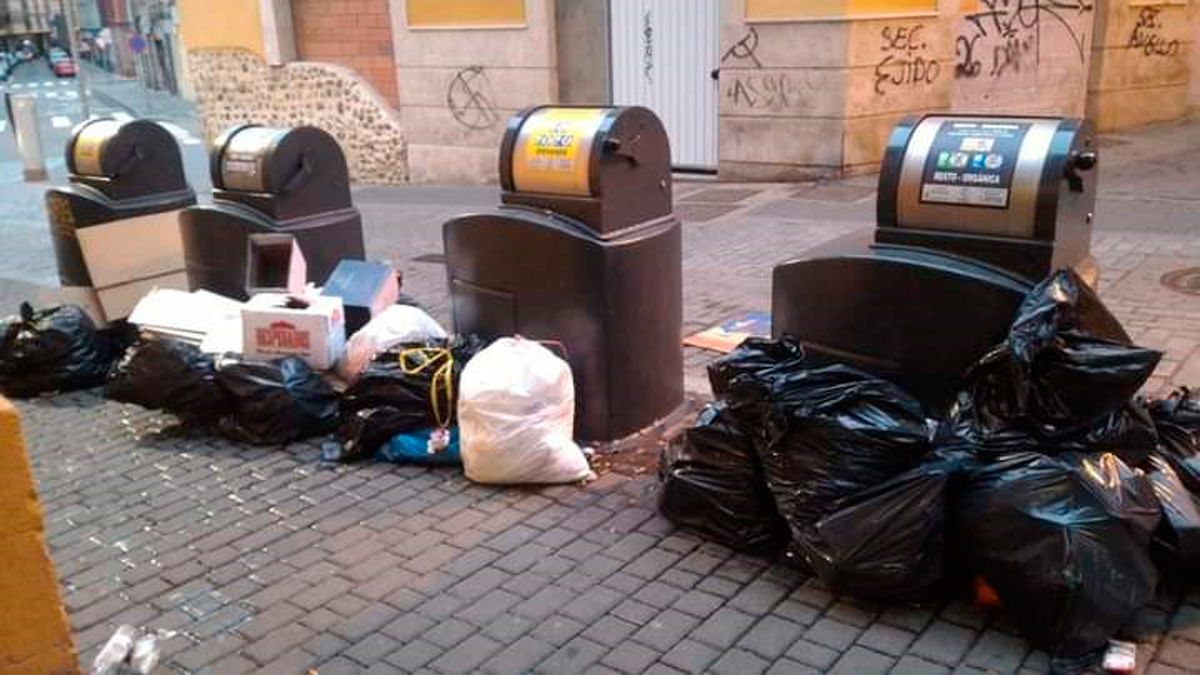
x: 352, y: 33
x: 459, y: 86
x: 234, y: 86
x: 1140, y: 64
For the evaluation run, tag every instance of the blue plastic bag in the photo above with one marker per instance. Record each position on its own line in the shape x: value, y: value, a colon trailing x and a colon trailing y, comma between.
x: 413, y: 448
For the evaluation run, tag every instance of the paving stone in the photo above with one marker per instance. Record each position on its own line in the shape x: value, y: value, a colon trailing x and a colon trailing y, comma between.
x: 277, y: 642
x: 448, y: 633
x: 366, y: 621
x: 771, y: 637
x: 414, y: 654
x: 519, y: 657
x: 487, y: 608
x: 609, y: 631
x: 408, y: 626
x: 340, y: 665
x: 573, y: 657
x: 759, y: 596
x: 997, y: 651
x: 887, y: 639
x: 208, y: 651
x: 545, y: 602
x: 861, y: 661
x: 813, y: 654
x: 944, y: 642
x: 698, y: 603
x: 664, y: 630
x: 325, y: 645
x: 1176, y: 652
x: 506, y: 628
x: 557, y: 629
x: 790, y: 667
x: 832, y: 633
x: 467, y: 656
x: 291, y: 663
x: 915, y: 665
x: 723, y: 628
x: 593, y: 604
x: 796, y: 612
x: 851, y: 613
x: 658, y: 594
x: 630, y: 657
x: 372, y: 649
x: 913, y: 619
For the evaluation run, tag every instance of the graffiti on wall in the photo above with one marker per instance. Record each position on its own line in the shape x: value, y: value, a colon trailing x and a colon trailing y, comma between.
x: 1006, y: 35
x: 905, y: 61
x: 470, y: 99
x: 648, y: 47
x: 767, y: 90
x: 1147, y: 35
x: 744, y: 49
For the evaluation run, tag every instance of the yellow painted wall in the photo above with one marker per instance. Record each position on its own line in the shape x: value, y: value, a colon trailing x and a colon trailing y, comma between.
x: 207, y: 24
x: 464, y: 13
x: 784, y: 10
x: 34, y: 637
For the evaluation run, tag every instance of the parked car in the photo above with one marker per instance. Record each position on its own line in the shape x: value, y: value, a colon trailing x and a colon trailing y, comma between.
x: 64, y: 67
x: 57, y: 54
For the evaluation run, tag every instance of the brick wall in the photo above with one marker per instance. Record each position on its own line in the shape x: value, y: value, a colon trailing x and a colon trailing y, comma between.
x: 352, y: 33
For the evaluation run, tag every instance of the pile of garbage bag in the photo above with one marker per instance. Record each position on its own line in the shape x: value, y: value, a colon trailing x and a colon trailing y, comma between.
x: 403, y: 389
x: 57, y: 349
x: 1047, y: 482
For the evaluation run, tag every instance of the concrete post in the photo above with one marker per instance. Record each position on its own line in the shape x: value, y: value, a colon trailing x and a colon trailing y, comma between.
x: 29, y: 138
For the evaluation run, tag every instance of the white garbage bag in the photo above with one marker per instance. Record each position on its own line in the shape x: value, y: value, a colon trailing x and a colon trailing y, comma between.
x: 516, y: 416
x: 398, y: 324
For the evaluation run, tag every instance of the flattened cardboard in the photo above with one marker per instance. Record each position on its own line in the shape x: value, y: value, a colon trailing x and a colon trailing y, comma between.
x: 128, y: 257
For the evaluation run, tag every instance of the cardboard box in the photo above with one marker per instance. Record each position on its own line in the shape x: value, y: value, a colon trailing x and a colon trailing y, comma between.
x: 128, y: 258
x: 274, y: 264
x: 366, y: 289
x: 274, y: 326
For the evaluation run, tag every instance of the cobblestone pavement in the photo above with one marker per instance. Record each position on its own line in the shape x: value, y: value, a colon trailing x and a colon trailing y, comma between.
x: 265, y: 561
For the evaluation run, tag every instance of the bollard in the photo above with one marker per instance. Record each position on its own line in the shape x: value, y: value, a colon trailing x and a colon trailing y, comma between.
x: 29, y: 139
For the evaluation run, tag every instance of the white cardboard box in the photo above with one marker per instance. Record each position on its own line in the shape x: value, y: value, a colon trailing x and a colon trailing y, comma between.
x: 128, y: 258
x: 317, y: 333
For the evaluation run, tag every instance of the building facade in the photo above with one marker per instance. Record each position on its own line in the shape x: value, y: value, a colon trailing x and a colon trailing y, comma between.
x: 25, y: 19
x: 748, y: 89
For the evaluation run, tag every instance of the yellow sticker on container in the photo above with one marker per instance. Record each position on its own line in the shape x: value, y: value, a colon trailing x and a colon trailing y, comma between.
x: 554, y: 150
x: 90, y: 143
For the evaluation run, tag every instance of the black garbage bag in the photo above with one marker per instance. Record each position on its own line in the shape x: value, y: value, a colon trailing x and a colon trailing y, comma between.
x: 276, y: 402
x: 712, y: 483
x: 1063, y: 541
x: 47, y: 350
x: 1177, y: 419
x: 170, y: 375
x: 827, y: 434
x: 1177, y: 539
x: 888, y: 542
x: 754, y: 356
x: 1065, y: 366
x: 406, y: 388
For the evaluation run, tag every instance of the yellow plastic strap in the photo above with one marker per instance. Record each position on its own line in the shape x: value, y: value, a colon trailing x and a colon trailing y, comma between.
x: 442, y: 360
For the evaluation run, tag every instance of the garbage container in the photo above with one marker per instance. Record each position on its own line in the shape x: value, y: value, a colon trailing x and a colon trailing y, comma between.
x: 1017, y: 192
x: 271, y: 180
x: 115, y: 227
x: 586, y: 252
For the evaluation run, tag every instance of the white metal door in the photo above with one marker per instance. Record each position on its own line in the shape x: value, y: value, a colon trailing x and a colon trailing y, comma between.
x: 663, y: 56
